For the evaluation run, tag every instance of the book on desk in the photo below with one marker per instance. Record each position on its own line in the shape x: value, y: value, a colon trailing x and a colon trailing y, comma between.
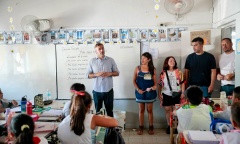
x: 200, y: 137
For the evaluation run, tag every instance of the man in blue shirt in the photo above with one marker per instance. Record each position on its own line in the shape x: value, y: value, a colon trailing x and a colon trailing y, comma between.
x: 102, y: 68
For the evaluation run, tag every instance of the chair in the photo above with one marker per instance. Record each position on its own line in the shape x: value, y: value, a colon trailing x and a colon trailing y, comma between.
x: 173, y: 125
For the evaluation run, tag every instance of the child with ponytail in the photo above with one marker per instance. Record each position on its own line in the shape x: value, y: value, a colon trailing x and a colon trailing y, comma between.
x: 22, y: 130
x: 78, y: 126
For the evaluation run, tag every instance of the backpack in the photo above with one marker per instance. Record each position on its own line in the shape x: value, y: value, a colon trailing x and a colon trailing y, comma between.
x: 113, y: 136
x: 220, y: 126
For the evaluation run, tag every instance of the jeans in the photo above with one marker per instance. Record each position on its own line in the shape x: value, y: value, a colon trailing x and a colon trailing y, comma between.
x: 205, y: 91
x: 228, y: 89
x: 107, y: 98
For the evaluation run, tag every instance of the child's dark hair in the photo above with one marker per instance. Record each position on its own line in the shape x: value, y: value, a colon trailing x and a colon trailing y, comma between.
x: 194, y: 95
x: 235, y: 112
x: 150, y: 63
x: 236, y: 92
x: 76, y: 87
x: 80, y: 106
x: 22, y: 126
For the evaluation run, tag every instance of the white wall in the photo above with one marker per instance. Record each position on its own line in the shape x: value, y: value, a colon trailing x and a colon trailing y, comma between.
x: 102, y: 13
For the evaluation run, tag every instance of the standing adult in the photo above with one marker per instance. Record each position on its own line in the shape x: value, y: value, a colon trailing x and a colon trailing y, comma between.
x: 227, y: 67
x: 200, y: 68
x: 144, y: 80
x: 171, y: 80
x: 102, y: 68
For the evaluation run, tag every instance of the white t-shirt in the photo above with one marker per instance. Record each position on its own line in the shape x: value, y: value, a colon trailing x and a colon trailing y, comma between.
x: 227, y: 65
x: 173, y: 81
x: 197, y: 118
x: 232, y: 137
x: 67, y: 136
x: 66, y: 109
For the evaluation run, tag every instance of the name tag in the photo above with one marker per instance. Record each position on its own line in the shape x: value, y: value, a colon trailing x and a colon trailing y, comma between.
x: 147, y: 77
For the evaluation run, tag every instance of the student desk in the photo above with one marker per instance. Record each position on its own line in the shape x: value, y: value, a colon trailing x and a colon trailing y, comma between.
x: 184, y: 139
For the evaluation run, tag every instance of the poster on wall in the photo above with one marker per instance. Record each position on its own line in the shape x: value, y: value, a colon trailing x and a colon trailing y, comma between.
x: 97, y: 35
x: 172, y: 34
x: 143, y: 33
x: 9, y: 38
x: 26, y: 38
x: 206, y: 35
x: 153, y: 35
x: 133, y: 35
x: 114, y: 35
x: 18, y: 37
x: 238, y: 45
x: 105, y: 35
x: 162, y: 35
x: 180, y: 32
x: 2, y: 37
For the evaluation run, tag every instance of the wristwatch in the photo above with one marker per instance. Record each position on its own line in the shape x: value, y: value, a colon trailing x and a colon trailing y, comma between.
x: 137, y: 89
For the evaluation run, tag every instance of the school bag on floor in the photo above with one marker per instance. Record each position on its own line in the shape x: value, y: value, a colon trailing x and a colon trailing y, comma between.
x: 113, y: 136
x: 219, y: 126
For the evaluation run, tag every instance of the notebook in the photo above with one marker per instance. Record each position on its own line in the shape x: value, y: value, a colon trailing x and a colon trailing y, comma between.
x: 200, y: 137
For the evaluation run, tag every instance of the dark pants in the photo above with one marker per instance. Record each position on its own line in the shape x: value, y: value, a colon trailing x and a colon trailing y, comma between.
x: 107, y: 98
x: 228, y: 89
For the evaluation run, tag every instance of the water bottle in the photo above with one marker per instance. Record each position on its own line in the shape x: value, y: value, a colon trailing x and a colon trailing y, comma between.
x: 23, y: 104
x: 7, y: 111
x: 223, y: 100
x: 29, y: 108
x: 48, y: 93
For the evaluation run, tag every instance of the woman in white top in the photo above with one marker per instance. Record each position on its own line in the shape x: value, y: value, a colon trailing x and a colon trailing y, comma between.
x: 175, y: 79
x: 76, y: 128
x: 67, y: 106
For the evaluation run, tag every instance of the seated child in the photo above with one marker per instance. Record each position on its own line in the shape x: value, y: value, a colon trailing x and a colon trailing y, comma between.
x: 226, y: 113
x: 5, y: 104
x: 193, y: 115
x: 67, y: 106
x: 22, y: 130
x: 77, y: 127
x: 233, y: 137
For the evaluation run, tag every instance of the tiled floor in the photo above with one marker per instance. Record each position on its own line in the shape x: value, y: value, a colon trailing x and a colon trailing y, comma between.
x: 160, y: 137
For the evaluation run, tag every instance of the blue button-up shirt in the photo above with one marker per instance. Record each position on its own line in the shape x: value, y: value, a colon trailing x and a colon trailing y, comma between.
x: 107, y: 64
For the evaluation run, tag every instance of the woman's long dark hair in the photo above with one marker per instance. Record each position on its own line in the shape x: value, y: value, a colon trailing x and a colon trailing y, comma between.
x: 150, y: 63
x: 165, y: 64
x: 80, y: 105
x: 76, y: 87
x: 22, y: 126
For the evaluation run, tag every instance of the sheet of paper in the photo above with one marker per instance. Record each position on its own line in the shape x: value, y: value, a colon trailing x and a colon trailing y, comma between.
x: 44, y: 126
x: 154, y: 52
x: 52, y: 112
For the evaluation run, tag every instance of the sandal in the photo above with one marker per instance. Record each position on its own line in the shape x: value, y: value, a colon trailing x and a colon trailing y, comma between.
x: 150, y: 130
x: 140, y: 130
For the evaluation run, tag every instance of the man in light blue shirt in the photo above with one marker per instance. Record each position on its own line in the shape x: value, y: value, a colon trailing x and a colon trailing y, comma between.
x: 102, y: 68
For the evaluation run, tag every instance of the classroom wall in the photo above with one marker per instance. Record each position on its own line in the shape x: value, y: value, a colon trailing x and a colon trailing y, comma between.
x: 102, y: 13
x: 109, y: 14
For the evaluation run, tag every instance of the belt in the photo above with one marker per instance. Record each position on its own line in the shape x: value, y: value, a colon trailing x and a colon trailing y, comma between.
x: 229, y: 85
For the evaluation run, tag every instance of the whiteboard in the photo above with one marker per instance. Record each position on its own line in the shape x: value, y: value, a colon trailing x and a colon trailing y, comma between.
x: 27, y: 70
x: 72, y: 61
